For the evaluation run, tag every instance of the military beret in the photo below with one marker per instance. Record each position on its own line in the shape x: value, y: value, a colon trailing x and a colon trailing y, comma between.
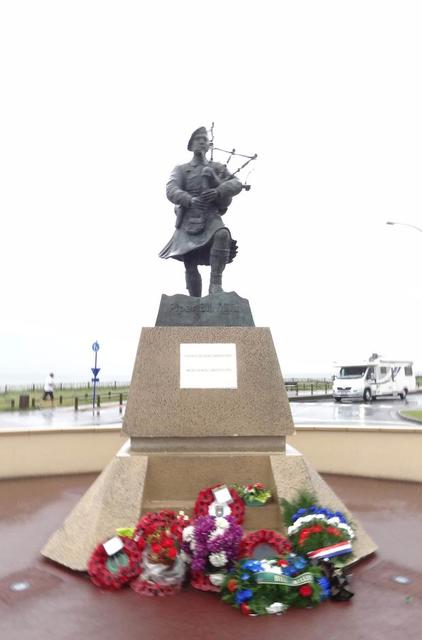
x: 201, y: 130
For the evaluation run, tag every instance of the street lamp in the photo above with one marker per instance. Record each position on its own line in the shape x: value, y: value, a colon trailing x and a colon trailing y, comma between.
x: 405, y: 224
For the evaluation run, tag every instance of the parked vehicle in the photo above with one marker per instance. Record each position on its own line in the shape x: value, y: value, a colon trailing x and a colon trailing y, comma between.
x: 372, y: 379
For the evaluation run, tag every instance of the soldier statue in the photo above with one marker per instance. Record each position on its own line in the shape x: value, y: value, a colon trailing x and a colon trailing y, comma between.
x: 201, y: 191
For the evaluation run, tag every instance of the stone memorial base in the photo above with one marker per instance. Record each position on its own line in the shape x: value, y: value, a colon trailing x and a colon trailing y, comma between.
x: 134, y: 483
x: 206, y: 406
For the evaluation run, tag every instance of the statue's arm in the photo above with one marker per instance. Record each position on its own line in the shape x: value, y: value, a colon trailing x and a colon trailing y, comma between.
x: 175, y: 192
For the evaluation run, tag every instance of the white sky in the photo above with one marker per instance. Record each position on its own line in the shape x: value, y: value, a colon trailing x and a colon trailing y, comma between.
x: 98, y: 102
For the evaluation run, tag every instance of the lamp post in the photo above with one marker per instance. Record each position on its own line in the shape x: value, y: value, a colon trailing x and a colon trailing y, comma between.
x: 405, y: 224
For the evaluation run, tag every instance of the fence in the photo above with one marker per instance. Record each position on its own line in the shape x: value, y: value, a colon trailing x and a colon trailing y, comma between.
x: 308, y: 385
x: 25, y: 401
x: 60, y: 386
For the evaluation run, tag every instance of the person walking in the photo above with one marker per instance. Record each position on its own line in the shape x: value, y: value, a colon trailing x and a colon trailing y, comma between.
x: 49, y: 388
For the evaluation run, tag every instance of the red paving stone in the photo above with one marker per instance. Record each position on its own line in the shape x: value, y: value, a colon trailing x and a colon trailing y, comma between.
x: 63, y: 605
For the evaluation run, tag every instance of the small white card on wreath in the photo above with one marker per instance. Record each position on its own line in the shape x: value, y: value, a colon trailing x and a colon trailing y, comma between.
x: 112, y: 546
x: 222, y: 495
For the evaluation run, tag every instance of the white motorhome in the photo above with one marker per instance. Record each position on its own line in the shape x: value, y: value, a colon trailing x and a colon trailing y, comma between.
x: 372, y: 379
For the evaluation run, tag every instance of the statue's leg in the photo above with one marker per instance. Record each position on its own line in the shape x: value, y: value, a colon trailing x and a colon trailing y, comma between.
x: 219, y: 255
x: 193, y: 278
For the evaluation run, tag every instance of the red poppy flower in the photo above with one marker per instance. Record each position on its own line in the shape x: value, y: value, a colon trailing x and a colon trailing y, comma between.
x: 166, y: 542
x: 333, y: 531
x: 172, y: 553
x: 232, y: 585
x: 315, y: 529
x: 305, y: 590
x: 245, y: 609
x: 156, y: 547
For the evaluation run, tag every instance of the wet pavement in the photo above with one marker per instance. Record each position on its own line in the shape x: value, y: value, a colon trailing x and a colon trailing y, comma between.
x: 64, y: 605
x: 323, y: 411
x: 58, y: 417
x: 384, y: 412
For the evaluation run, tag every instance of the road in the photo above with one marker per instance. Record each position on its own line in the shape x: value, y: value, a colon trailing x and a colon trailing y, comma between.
x: 321, y: 412
x: 350, y: 413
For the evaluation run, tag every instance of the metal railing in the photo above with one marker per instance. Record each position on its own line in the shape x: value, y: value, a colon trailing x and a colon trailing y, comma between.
x: 60, y: 386
x: 77, y: 401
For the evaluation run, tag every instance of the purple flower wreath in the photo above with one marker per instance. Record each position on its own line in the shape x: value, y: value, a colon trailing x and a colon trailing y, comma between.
x: 212, y: 544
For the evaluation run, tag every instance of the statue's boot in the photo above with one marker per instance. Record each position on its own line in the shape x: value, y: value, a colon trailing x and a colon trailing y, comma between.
x: 194, y: 282
x: 218, y: 261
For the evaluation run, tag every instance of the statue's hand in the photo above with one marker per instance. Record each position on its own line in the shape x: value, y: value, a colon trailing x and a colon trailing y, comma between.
x: 198, y: 203
x: 209, y: 195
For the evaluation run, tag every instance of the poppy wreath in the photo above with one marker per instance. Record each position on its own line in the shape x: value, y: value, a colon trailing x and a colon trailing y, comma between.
x: 264, y: 536
x: 202, y: 582
x: 161, y: 536
x: 206, y: 498
x: 113, y: 572
x: 147, y: 588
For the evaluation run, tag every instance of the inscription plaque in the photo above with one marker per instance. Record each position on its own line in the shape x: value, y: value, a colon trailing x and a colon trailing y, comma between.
x: 208, y: 366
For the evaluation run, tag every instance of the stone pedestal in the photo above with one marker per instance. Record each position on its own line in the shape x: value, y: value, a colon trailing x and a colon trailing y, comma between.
x: 160, y: 416
x: 182, y: 440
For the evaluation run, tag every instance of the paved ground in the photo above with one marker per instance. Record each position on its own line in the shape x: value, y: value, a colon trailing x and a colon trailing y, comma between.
x: 63, y: 605
x: 384, y: 412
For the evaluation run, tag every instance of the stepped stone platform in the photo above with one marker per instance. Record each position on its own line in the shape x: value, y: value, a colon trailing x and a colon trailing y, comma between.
x: 133, y: 484
x: 219, y: 416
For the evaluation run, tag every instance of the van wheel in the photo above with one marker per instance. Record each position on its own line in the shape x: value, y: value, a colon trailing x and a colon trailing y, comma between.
x: 337, y: 399
x: 403, y: 394
x: 367, y: 395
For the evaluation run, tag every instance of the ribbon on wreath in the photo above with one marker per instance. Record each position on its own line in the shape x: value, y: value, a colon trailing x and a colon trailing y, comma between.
x: 268, y: 577
x: 331, y: 551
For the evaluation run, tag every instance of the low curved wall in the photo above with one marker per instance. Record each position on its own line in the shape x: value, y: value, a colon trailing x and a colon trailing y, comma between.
x: 387, y: 453
x: 38, y: 452
x: 393, y: 454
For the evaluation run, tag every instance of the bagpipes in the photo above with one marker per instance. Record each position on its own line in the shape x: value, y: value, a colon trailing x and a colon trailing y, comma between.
x: 231, y: 154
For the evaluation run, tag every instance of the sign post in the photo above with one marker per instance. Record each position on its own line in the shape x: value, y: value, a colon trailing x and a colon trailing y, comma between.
x: 95, y: 370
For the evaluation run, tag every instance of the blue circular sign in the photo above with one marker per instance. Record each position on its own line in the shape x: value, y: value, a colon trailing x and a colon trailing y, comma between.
x: 95, y: 346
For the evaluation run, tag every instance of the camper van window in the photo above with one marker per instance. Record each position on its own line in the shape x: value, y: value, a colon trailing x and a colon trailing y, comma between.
x: 370, y: 374
x: 395, y: 372
x: 408, y: 371
x: 352, y: 372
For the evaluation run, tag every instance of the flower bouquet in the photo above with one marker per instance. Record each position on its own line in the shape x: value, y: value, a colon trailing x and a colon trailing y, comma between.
x: 253, y: 495
x: 211, y: 546
x: 316, y: 531
x: 162, y: 567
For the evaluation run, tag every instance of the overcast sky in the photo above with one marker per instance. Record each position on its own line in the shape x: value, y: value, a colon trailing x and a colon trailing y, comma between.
x: 98, y: 102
